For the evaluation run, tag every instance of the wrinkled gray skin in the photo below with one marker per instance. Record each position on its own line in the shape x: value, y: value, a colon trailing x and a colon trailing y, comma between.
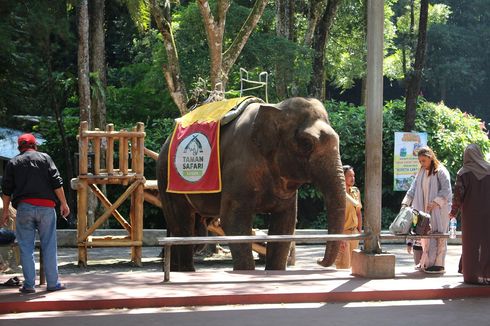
x: 267, y: 153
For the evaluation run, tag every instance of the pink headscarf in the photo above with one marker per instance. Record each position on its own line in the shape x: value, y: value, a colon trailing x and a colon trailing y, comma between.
x: 474, y: 162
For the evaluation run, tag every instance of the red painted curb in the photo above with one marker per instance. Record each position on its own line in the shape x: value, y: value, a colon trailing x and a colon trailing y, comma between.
x: 449, y: 293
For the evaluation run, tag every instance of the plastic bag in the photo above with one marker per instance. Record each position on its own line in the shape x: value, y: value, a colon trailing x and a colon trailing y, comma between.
x: 403, y: 221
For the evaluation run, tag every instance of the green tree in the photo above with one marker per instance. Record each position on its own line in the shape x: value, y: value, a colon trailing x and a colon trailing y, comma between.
x: 413, y: 77
x: 223, y: 53
x: 457, y: 69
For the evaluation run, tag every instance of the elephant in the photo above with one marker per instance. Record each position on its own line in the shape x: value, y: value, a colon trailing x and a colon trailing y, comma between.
x: 267, y: 153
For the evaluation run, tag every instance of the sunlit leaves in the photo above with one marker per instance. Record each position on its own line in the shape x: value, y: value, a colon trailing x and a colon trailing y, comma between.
x: 140, y: 13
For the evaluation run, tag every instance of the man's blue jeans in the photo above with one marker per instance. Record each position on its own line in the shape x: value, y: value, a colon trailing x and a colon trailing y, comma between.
x: 43, y: 219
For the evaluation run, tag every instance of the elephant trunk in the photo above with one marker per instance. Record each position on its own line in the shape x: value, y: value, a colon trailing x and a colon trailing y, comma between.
x: 332, y: 185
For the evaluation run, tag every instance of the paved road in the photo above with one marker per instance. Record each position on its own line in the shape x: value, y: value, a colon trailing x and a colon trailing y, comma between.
x: 431, y: 312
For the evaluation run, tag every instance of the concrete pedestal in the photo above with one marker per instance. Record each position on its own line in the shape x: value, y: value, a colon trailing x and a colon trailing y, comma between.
x: 373, y: 265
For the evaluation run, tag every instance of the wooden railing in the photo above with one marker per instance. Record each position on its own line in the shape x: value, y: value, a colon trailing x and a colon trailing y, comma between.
x: 168, y: 242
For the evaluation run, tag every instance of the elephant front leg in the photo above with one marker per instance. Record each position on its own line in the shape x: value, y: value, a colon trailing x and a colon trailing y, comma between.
x: 281, y: 222
x: 242, y: 257
x: 237, y: 220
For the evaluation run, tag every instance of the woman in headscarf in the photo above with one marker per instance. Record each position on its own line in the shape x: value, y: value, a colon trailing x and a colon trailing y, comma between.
x: 472, y: 197
x: 431, y: 192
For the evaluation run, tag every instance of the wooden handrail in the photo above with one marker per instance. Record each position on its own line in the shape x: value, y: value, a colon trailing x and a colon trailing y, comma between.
x: 167, y: 242
x: 310, y: 238
x: 150, y: 153
x: 417, y: 237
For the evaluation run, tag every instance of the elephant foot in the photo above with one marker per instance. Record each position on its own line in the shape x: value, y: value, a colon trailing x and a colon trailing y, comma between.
x: 176, y: 268
x: 275, y: 268
x: 244, y: 267
x: 323, y: 262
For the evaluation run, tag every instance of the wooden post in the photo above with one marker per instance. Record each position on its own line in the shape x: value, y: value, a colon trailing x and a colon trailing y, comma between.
x: 110, y: 149
x: 83, y: 149
x: 374, y: 125
x: 371, y: 262
x: 133, y: 148
x: 123, y: 155
x: 166, y: 263
x: 96, y: 161
x: 82, y: 193
x: 138, y: 168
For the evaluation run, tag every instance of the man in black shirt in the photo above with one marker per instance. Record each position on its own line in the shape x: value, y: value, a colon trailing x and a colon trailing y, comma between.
x: 33, y: 184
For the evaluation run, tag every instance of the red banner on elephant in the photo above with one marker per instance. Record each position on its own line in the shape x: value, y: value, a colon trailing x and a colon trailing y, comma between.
x: 194, y: 159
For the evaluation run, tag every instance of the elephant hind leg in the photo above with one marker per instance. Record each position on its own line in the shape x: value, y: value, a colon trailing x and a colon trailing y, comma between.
x: 179, y: 261
x: 181, y: 223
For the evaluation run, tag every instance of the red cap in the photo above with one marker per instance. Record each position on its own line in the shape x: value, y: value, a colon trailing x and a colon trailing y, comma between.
x: 26, y: 141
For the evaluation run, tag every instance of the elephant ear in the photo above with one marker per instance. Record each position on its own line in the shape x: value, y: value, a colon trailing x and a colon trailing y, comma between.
x: 265, y: 128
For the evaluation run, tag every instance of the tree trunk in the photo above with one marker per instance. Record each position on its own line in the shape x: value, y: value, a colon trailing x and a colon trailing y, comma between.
x: 364, y: 78
x: 316, y: 87
x: 316, y: 10
x: 98, y: 98
x: 222, y: 62
x: 83, y: 62
x: 284, y: 28
x: 171, y: 70
x: 414, y: 77
x: 215, y: 29
x: 98, y: 62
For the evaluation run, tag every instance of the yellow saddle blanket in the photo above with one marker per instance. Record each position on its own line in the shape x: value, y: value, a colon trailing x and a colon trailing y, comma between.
x: 193, y: 157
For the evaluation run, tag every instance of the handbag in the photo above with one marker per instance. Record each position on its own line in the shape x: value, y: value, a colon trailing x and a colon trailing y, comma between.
x: 403, y: 221
x: 421, y: 223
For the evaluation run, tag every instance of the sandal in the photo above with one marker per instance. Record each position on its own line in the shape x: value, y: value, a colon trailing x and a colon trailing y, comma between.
x: 14, y: 281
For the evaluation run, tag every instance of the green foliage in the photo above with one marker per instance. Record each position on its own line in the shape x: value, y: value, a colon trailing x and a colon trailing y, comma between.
x: 406, y: 39
x: 36, y: 43
x: 449, y: 132
x: 137, y: 91
x: 192, y: 44
x: 263, y: 52
x: 140, y: 13
x: 346, y: 48
x: 54, y: 145
x: 457, y: 66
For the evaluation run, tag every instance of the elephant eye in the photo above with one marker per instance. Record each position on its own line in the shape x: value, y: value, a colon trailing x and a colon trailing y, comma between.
x: 305, y: 145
